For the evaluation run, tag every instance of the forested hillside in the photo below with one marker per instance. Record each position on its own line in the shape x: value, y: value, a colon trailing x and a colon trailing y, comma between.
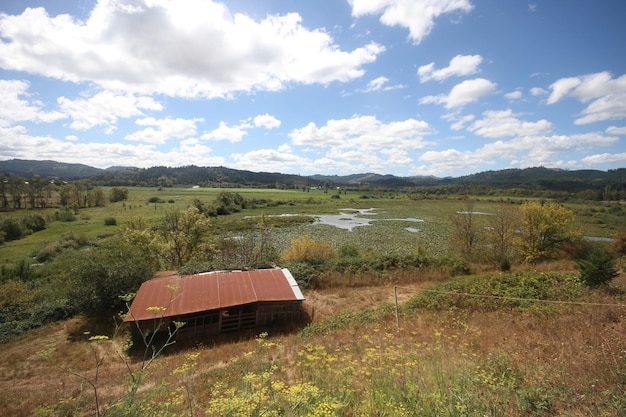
x: 590, y: 184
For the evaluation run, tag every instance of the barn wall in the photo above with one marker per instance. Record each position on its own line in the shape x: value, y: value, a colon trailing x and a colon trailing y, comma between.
x: 233, y: 319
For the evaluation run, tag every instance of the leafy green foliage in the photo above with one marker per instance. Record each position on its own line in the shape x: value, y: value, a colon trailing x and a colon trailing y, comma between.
x: 179, y: 238
x: 597, y: 268
x: 110, y: 221
x: 12, y: 229
x: 545, y: 227
x: 99, y: 276
x: 65, y: 215
x: 118, y: 194
x: 492, y: 291
x: 34, y: 222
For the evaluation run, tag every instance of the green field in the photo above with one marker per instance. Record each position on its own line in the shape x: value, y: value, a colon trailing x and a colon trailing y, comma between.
x: 593, y: 218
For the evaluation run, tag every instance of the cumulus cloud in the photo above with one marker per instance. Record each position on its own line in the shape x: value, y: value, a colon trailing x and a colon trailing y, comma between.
x: 605, y: 158
x: 460, y: 65
x: 17, y: 143
x: 616, y: 130
x: 537, y: 91
x: 363, y: 132
x: 271, y: 160
x: 105, y: 108
x: 504, y: 123
x: 225, y: 132
x: 17, y: 105
x: 522, y: 152
x: 159, y: 131
x: 418, y: 16
x: 463, y: 93
x: 607, y: 95
x: 195, y: 49
x: 266, y: 121
x: 514, y: 95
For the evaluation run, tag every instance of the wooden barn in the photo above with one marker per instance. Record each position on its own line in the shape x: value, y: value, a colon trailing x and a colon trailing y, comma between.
x: 217, y: 302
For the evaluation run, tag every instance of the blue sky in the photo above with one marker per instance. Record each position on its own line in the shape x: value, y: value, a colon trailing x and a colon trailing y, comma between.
x: 403, y: 87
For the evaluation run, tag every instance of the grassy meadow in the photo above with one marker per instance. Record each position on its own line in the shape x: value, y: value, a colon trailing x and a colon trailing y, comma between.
x: 534, y: 341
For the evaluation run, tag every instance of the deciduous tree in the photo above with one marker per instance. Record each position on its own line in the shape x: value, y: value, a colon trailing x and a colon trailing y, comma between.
x: 544, y: 228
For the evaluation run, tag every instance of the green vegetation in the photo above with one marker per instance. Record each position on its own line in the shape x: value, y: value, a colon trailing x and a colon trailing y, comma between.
x: 453, y: 353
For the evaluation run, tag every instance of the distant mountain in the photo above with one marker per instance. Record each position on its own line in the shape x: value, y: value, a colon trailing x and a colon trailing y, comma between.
x: 47, y: 169
x: 539, y: 178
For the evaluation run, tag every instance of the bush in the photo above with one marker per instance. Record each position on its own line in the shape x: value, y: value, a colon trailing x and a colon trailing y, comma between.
x: 308, y: 250
x: 155, y: 200
x: 13, y: 229
x: 597, y: 268
x: 34, y: 222
x: 306, y: 275
x: 110, y: 221
x: 66, y: 215
x: 118, y: 194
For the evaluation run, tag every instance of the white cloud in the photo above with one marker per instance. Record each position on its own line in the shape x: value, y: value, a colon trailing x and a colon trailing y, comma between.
x: 606, y: 94
x: 504, y: 123
x: 17, y: 106
x: 165, y: 129
x: 526, y: 151
x: 463, y: 93
x: 191, y: 49
x: 610, y: 107
x: 459, y: 122
x: 267, y: 121
x: 514, y: 95
x: 416, y: 15
x: 271, y: 160
x: 561, y: 88
x: 459, y: 66
x: 105, y: 108
x: 17, y: 143
x: 378, y: 84
x: 616, y: 130
x: 605, y: 159
x: 537, y: 91
x: 363, y: 132
x: 225, y: 132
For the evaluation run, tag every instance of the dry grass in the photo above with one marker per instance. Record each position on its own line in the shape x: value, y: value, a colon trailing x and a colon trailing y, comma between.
x: 578, y: 348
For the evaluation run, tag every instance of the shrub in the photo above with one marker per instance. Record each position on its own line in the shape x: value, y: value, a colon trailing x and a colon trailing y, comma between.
x: 110, y: 221
x: 66, y: 215
x: 34, y: 222
x: 118, y: 194
x: 306, y: 275
x: 155, y: 200
x: 597, y: 268
x: 308, y: 250
x: 12, y: 229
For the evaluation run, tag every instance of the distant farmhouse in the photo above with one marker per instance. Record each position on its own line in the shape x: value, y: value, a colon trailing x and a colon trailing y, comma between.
x: 212, y: 303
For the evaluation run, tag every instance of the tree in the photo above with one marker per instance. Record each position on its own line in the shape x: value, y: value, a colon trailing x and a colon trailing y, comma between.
x: 184, y: 236
x: 597, y: 268
x: 98, y: 277
x: 545, y: 228
x: 180, y: 237
x: 500, y: 236
x: 465, y: 231
x: 118, y: 194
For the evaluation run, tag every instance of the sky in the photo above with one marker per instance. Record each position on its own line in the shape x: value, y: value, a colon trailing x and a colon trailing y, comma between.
x: 333, y: 87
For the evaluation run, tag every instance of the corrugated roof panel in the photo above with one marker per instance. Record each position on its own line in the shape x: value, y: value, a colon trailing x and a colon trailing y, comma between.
x: 235, y: 288
x: 208, y: 291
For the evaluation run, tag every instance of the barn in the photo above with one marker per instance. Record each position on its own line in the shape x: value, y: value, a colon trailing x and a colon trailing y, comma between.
x: 212, y: 303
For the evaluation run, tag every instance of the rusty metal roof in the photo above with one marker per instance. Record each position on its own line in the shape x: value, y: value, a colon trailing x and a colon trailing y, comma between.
x: 185, y: 294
